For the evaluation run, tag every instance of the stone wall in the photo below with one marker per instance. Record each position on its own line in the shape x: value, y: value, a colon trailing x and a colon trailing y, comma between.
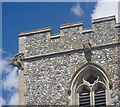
x: 47, y: 78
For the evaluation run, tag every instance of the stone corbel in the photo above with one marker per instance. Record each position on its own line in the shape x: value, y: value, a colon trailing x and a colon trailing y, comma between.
x: 16, y: 61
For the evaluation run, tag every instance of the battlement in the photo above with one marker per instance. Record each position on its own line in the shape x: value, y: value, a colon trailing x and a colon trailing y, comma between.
x: 72, y: 36
x: 65, y: 26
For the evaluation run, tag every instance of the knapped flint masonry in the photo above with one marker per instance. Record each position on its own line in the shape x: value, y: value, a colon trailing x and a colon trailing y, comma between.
x: 75, y: 67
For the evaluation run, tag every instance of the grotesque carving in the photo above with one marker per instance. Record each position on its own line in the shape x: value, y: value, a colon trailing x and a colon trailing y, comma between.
x: 87, y: 51
x: 16, y: 61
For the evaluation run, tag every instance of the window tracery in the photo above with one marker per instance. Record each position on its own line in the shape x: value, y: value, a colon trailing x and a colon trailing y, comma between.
x: 90, y: 86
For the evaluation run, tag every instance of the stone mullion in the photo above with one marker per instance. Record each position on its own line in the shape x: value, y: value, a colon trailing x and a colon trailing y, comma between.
x: 92, y: 102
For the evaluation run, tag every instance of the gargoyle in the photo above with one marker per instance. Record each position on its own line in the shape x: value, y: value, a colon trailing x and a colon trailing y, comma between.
x: 16, y: 61
x: 87, y: 51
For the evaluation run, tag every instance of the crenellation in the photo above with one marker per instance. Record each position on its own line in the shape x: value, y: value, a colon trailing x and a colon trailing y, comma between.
x: 70, y: 34
x: 106, y: 31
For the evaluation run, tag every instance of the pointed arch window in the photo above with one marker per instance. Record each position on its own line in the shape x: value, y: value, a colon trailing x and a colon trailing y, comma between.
x: 90, y: 86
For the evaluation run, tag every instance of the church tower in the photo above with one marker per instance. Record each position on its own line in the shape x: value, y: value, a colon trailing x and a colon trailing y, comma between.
x: 75, y: 67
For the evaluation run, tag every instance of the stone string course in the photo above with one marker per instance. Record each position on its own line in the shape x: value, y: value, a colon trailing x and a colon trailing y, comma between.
x: 47, y: 79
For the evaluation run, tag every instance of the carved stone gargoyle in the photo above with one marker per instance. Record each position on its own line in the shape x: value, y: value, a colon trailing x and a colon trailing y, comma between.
x: 16, y: 61
x: 87, y: 51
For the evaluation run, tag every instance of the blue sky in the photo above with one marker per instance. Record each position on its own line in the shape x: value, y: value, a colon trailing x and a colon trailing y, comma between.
x: 20, y: 16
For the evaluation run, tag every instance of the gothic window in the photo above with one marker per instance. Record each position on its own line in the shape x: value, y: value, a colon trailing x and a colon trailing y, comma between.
x: 90, y: 86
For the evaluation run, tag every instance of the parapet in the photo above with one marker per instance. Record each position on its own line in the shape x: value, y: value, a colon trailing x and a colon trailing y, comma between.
x: 71, y: 37
x: 70, y: 25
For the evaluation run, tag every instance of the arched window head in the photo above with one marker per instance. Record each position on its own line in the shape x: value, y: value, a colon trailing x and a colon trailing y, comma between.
x: 83, y: 89
x: 99, y: 87
x: 90, y: 86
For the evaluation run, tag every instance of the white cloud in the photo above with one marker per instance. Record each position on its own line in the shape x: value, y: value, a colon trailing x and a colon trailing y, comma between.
x: 14, y: 99
x: 77, y: 10
x: 6, y: 68
x: 4, y: 62
x: 106, y: 8
x: 11, y: 80
x: 2, y: 101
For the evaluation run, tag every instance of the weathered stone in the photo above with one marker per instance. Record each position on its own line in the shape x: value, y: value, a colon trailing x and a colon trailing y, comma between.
x: 48, y: 74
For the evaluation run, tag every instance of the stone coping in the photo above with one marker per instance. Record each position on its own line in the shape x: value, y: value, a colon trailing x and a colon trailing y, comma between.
x: 71, y: 25
x: 103, y: 19
x: 54, y: 36
x: 70, y: 51
x: 87, y: 30
x: 117, y: 25
x: 35, y: 31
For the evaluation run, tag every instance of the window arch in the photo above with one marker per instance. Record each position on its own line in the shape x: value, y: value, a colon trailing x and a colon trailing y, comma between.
x: 90, y: 85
